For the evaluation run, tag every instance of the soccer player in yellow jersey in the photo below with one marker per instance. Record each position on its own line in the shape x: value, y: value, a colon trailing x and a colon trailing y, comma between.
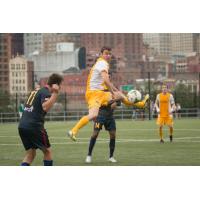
x: 165, y: 106
x: 98, y: 80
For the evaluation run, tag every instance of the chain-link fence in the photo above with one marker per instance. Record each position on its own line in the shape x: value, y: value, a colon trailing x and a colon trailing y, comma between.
x: 71, y: 102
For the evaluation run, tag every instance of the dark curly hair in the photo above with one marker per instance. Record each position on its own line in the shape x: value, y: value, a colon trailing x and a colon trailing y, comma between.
x: 54, y: 79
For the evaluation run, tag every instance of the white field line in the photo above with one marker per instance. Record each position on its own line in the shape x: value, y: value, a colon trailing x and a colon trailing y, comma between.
x: 118, y: 130
x: 179, y: 140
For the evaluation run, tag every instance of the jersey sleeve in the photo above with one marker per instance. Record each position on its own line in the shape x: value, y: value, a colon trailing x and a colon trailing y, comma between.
x: 45, y: 96
x: 102, y: 66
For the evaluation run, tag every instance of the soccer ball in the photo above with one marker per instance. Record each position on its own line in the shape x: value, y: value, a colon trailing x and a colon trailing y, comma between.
x: 134, y: 96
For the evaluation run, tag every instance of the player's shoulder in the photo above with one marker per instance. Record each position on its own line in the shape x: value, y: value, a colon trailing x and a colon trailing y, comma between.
x: 44, y: 91
x: 101, y: 63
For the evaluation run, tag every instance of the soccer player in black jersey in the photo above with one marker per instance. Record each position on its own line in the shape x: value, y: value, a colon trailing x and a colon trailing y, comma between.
x: 105, y: 118
x: 31, y: 125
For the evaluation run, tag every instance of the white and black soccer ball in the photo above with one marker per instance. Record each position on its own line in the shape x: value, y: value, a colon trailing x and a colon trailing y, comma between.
x: 134, y: 96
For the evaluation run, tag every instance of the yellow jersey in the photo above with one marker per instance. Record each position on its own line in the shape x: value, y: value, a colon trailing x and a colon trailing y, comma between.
x: 95, y: 80
x: 164, y: 103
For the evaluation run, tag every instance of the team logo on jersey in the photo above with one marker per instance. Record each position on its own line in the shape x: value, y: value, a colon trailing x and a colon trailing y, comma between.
x: 28, y: 109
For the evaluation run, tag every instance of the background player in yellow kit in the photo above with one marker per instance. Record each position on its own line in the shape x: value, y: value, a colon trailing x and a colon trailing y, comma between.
x: 165, y: 106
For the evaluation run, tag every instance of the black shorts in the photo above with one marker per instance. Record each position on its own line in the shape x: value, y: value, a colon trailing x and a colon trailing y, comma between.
x: 34, y: 138
x: 108, y: 123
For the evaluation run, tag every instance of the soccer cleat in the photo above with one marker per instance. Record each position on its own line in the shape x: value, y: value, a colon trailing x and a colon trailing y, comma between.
x: 171, y: 138
x: 111, y: 159
x: 88, y: 159
x: 70, y: 134
x: 161, y: 141
x: 146, y: 98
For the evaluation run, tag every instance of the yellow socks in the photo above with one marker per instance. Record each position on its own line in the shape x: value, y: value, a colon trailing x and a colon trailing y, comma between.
x: 171, y: 130
x: 82, y: 122
x: 140, y: 104
x: 127, y: 102
x: 161, y: 133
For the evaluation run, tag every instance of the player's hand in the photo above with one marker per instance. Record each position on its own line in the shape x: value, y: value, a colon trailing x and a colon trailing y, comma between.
x: 171, y: 111
x: 55, y: 88
x: 158, y: 111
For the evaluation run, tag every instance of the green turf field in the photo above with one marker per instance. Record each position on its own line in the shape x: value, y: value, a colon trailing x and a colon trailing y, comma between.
x: 137, y: 145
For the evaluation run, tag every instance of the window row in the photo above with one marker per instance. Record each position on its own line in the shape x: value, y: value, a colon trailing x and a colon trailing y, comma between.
x: 18, y: 66
x: 20, y: 88
x: 18, y: 74
x: 18, y: 81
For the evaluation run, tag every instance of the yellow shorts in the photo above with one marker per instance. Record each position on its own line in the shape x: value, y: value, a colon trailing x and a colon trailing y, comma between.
x: 97, y: 98
x: 165, y: 121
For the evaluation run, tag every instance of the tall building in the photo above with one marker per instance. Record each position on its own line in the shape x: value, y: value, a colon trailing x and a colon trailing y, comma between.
x: 5, y: 55
x: 185, y: 43
x: 161, y: 42
x: 17, y: 43
x: 126, y: 47
x: 33, y: 43
x: 50, y: 40
x: 21, y: 77
x: 47, y: 63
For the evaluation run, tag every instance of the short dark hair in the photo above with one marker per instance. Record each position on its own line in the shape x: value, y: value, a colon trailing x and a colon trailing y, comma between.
x: 105, y: 48
x: 54, y: 79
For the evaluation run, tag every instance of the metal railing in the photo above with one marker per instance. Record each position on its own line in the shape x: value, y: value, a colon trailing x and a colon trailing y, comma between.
x: 120, y: 113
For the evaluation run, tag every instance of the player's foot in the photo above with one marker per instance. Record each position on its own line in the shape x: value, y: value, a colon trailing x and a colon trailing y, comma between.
x: 71, y: 135
x: 88, y: 159
x: 171, y: 138
x: 161, y: 141
x: 146, y: 98
x: 112, y: 159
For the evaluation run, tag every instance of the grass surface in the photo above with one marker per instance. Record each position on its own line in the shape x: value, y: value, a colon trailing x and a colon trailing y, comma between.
x: 137, y: 145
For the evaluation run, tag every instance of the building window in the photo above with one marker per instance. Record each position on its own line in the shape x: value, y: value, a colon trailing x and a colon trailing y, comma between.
x: 12, y: 66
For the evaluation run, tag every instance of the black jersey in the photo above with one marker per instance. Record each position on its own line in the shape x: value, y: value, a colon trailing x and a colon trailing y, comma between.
x: 107, y: 111
x: 33, y: 115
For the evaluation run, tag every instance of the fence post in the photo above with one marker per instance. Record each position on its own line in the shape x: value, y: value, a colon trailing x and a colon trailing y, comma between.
x: 199, y: 97
x: 65, y: 112
x: 16, y: 100
x: 149, y: 87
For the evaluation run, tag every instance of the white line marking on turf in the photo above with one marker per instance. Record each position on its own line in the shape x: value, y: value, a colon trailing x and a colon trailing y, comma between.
x: 177, y: 140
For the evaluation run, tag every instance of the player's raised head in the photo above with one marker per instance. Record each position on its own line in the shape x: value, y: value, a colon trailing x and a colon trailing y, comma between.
x: 106, y: 53
x: 55, y: 79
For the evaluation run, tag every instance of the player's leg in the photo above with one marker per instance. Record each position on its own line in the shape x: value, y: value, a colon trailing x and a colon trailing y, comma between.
x: 161, y: 134
x: 112, y: 145
x: 94, y: 100
x: 110, y: 126
x: 29, y: 157
x: 140, y: 104
x: 93, y: 112
x: 97, y: 127
x: 47, y: 160
x: 171, y: 129
x: 26, y: 138
x: 160, y: 123
x: 91, y: 146
x: 41, y: 141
